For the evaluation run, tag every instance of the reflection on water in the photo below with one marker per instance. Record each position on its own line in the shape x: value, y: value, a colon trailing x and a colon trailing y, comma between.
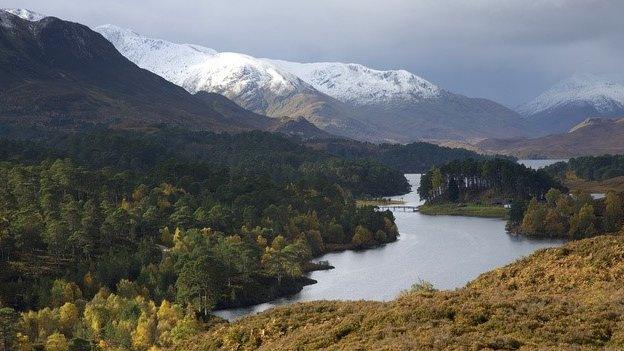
x: 447, y: 251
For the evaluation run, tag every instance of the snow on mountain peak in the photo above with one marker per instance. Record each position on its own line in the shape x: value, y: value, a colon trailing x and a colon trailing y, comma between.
x: 580, y: 89
x: 26, y: 14
x: 358, y: 84
x: 196, y: 68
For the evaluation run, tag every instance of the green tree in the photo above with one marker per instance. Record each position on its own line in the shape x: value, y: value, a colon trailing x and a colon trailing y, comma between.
x: 516, y: 212
x: 534, y: 217
x: 582, y: 224
x: 437, y: 180
x: 363, y: 238
x: 281, y: 260
x: 614, y: 212
x: 198, y: 283
x: 552, y: 196
x: 63, y: 291
x: 8, y: 330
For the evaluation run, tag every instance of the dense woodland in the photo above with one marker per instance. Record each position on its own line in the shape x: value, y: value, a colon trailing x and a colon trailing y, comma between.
x: 416, y: 157
x: 590, y: 167
x: 494, y: 180
x: 572, y: 216
x: 128, y: 240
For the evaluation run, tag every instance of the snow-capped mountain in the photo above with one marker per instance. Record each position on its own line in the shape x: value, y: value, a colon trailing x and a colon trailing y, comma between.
x: 26, y: 14
x: 255, y: 84
x: 345, y: 99
x: 357, y: 84
x: 407, y: 105
x: 196, y: 68
x: 572, y: 100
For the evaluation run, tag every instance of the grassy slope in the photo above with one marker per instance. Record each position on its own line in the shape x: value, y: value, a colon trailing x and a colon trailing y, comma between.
x: 471, y: 210
x: 556, y: 299
x: 575, y: 183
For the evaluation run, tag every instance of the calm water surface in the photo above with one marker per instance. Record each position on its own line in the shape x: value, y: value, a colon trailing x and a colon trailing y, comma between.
x: 447, y: 251
x: 537, y: 164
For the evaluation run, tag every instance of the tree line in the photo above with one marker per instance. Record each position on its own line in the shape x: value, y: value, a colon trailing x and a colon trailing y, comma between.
x: 472, y: 180
x: 417, y: 157
x: 572, y: 216
x: 590, y: 167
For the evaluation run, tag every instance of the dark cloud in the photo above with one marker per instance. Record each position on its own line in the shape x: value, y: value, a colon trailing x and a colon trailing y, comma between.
x: 501, y: 49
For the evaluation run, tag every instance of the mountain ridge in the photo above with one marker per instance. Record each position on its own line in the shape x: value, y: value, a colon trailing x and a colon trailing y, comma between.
x: 252, y: 83
x: 371, y: 105
x: 572, y: 100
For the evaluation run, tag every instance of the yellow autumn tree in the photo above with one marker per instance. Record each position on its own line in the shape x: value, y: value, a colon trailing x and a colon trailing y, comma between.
x: 56, y: 342
x: 168, y: 316
x: 68, y: 317
x: 144, y: 336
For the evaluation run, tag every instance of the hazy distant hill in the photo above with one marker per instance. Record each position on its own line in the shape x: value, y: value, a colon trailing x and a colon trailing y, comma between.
x: 594, y: 136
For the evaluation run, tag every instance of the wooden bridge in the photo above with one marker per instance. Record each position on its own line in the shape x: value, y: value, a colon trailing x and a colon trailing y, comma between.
x: 402, y: 208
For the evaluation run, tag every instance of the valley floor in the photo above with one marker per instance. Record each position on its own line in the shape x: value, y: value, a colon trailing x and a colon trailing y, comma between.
x: 566, y: 298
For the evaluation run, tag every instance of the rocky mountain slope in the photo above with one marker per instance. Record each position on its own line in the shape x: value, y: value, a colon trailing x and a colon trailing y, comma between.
x: 60, y: 73
x: 566, y: 298
x: 572, y: 100
x: 594, y: 136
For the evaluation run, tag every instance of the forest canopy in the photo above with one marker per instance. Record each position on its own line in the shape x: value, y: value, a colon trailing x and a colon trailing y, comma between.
x: 590, y: 167
x: 105, y: 236
x: 473, y: 180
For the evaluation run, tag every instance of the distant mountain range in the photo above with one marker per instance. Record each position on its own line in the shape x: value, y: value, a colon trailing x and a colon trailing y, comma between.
x: 573, y: 100
x: 594, y: 136
x: 63, y: 73
x: 254, y: 84
x: 345, y: 99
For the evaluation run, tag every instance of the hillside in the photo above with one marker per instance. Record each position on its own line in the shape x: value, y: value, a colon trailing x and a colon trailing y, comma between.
x: 63, y: 74
x: 571, y: 101
x: 595, y: 136
x: 566, y: 298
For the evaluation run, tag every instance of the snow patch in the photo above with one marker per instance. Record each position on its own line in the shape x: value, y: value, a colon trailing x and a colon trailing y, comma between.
x: 355, y: 83
x: 26, y: 14
x: 197, y: 68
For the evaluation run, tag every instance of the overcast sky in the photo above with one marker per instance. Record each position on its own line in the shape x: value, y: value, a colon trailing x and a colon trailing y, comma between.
x: 504, y: 50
